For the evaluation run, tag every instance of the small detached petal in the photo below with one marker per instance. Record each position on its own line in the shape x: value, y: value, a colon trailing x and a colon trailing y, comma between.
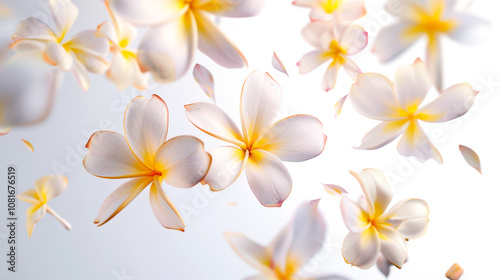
x: 470, y: 157
x: 455, y: 272
x: 205, y: 80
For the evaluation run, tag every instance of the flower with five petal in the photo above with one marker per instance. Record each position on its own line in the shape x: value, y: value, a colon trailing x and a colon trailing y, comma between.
x: 291, y: 249
x: 46, y: 188
x: 178, y: 27
x: 328, y: 10
x: 432, y: 19
x: 263, y: 144
x: 124, y: 69
x: 83, y: 53
x: 399, y: 106
x: 373, y: 230
x: 143, y: 157
x: 334, y: 43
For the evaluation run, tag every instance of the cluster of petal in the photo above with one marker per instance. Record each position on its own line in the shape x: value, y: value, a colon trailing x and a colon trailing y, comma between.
x: 179, y: 27
x: 399, y: 106
x: 328, y: 10
x: 333, y: 42
x: 262, y: 145
x: 143, y: 157
x: 82, y: 54
x: 373, y: 230
x: 289, y: 251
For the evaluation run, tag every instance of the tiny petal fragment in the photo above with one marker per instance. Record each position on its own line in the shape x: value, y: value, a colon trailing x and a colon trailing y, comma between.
x: 334, y: 190
x: 471, y: 157
x: 28, y: 145
x: 338, y: 106
x: 278, y: 65
x: 455, y: 272
x: 205, y: 80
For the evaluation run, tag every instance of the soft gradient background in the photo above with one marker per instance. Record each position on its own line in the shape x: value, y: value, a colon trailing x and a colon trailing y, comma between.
x: 464, y: 205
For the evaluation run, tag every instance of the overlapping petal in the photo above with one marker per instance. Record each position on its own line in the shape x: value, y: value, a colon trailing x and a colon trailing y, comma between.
x: 355, y: 217
x: 393, y: 245
x: 409, y: 217
x: 64, y: 13
x: 50, y: 186
x: 254, y: 254
x: 376, y: 188
x: 230, y: 8
x: 362, y: 249
x: 164, y: 210
x: 149, y: 12
x: 415, y: 142
x: 227, y: 164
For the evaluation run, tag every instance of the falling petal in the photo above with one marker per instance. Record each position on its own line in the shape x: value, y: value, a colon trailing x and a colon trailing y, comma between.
x: 338, y: 106
x: 232, y: 204
x: 383, y: 265
x: 28, y: 145
x: 334, y: 189
x: 278, y: 65
x: 5, y: 131
x: 205, y: 79
x: 455, y: 272
x: 471, y: 157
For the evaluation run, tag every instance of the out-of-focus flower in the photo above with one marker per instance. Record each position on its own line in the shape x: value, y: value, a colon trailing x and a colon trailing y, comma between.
x: 178, y: 27
x: 84, y: 52
x: 143, y: 157
x: 373, y: 230
x: 432, y: 19
x: 263, y: 144
x: 124, y: 70
x: 46, y: 188
x: 398, y: 106
x: 290, y: 250
x: 328, y: 10
x: 334, y: 43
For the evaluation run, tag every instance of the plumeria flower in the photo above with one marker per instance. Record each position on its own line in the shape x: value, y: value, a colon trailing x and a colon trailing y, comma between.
x: 46, y: 188
x: 143, y: 157
x: 399, y: 106
x: 290, y: 250
x: 328, y: 10
x: 263, y: 144
x: 124, y: 69
x: 178, y: 27
x: 334, y: 43
x: 83, y: 53
x: 432, y: 19
x: 373, y: 230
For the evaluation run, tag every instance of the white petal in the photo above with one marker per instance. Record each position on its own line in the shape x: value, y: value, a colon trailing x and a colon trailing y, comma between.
x: 108, y: 31
x: 470, y: 29
x: 355, y: 218
x: 57, y: 55
x: 34, y: 29
x: 330, y: 77
x: 164, y: 210
x: 64, y: 13
x: 362, y: 249
x: 27, y: 46
x: 277, y: 64
x: 383, y: 265
x: 148, y: 12
x: 317, y: 32
x: 351, y: 10
x: 354, y: 38
x: 233, y: 8
x: 328, y: 277
x: 376, y: 188
x: 81, y: 74
x: 383, y: 134
x: 125, y: 31
x: 434, y: 62
x: 227, y: 164
x: 338, y: 106
x: 124, y: 72
x: 392, y: 41
x: 306, y: 3
x: 30, y: 196
x: 33, y: 215
x: 268, y: 178
x: 393, y: 246
x: 409, y: 217
x: 471, y: 157
x: 90, y: 50
x: 351, y: 68
x: 416, y: 143
x: 311, y: 60
x: 51, y: 186
x: 412, y: 83
x: 254, y: 254
x: 205, y: 80
x: 334, y: 190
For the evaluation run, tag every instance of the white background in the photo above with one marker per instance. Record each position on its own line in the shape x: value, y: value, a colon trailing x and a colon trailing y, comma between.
x: 464, y: 205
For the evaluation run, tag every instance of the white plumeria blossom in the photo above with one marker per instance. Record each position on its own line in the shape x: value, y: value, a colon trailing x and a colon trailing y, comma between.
x: 83, y: 53
x: 179, y: 27
x: 290, y: 250
x: 328, y: 10
x: 124, y: 69
x: 432, y: 19
x: 399, y: 106
x: 334, y: 43
x: 374, y: 229
x: 263, y: 144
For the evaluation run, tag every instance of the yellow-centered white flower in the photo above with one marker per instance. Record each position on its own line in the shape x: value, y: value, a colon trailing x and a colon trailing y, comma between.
x: 328, y: 10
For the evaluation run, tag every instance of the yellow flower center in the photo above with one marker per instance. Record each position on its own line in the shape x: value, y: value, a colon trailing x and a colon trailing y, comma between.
x: 288, y: 273
x: 329, y: 6
x: 336, y: 52
x: 432, y: 22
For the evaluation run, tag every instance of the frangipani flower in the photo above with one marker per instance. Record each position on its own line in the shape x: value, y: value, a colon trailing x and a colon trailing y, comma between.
x: 328, y: 10
x: 46, y: 188
x: 124, y: 69
x: 334, y: 43
x: 181, y: 26
x: 84, y: 52
x: 263, y: 144
x: 290, y: 250
x: 373, y: 230
x: 398, y: 106
x: 143, y: 157
x: 432, y: 19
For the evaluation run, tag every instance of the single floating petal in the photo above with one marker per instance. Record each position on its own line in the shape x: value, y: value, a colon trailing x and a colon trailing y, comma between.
x: 205, y: 79
x: 28, y: 145
x: 471, y: 157
x: 334, y: 189
x: 278, y: 65
x: 338, y: 106
x: 455, y: 272
x: 5, y: 131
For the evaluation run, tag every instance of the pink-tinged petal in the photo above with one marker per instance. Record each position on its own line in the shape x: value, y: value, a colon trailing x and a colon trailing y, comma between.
x: 227, y: 164
x: 110, y: 156
x: 268, y: 178
x: 376, y: 188
x: 280, y: 247
x: 470, y: 29
x: 470, y: 157
x: 412, y: 83
x: 252, y: 253
x: 232, y: 8
x: 167, y: 51
x: 330, y: 76
x: 81, y: 74
x: 296, y: 138
x: 355, y: 218
x: 64, y: 13
x: 213, y: 121
x: 453, y: 102
x: 146, y: 127
x: 409, y: 217
x: 5, y: 131
x: 34, y: 29
x: 28, y: 145
x: 434, y: 62
x: 354, y: 38
x: 455, y: 272
x: 28, y: 46
x: 216, y: 44
x: 373, y: 96
x: 311, y: 60
x: 337, y: 109
x: 383, y: 265
x: 33, y: 215
x: 362, y: 249
x: 30, y: 196
x: 182, y: 161
x: 164, y: 210
x: 383, y: 134
x: 393, y: 40
x: 393, y: 246
x: 205, y: 80
x: 120, y: 198
x: 416, y: 143
x: 148, y: 12
x: 259, y: 105
x: 51, y: 186
x: 56, y: 55
x: 317, y: 33
x: 351, y: 10
x: 334, y: 190
x: 351, y: 68
x: 277, y: 64
x: 305, y: 3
